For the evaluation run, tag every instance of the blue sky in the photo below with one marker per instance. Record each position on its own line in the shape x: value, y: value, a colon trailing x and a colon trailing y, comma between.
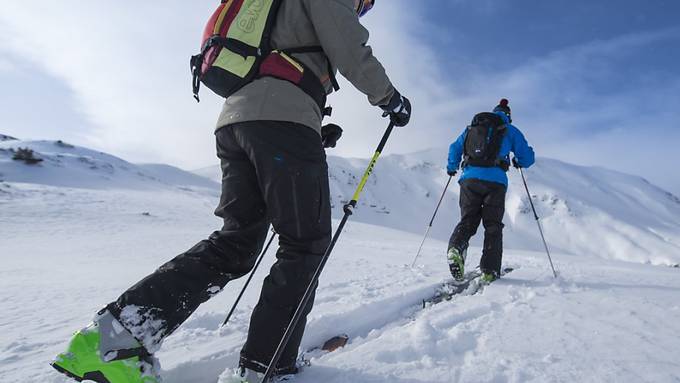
x: 590, y: 82
x: 525, y: 29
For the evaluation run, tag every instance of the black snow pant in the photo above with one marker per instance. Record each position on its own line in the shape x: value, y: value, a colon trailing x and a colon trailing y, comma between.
x: 272, y: 172
x: 481, y: 201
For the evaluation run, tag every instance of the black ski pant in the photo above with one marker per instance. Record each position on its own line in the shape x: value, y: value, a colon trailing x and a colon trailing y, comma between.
x: 272, y: 172
x: 481, y: 201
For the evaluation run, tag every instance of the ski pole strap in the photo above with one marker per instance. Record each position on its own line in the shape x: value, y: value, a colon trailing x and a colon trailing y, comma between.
x: 369, y: 170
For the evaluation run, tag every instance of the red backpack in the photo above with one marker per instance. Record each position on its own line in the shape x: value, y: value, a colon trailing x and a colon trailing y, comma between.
x: 237, y: 49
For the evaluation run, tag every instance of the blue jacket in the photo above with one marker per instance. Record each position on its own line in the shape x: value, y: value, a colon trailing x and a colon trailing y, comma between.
x: 513, y: 141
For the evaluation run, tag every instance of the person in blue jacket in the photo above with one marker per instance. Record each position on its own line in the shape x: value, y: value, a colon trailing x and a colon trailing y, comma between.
x: 482, y: 193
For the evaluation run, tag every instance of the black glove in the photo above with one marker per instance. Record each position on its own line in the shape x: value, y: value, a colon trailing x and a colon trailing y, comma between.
x: 515, y: 163
x: 451, y: 173
x: 330, y: 134
x: 399, y: 109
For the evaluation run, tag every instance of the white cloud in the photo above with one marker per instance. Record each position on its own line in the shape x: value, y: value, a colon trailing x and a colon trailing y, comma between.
x: 413, y: 68
x: 128, y: 67
x: 5, y: 65
x: 571, y: 106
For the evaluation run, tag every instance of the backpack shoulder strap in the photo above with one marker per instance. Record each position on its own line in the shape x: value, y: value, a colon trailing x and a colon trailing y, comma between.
x: 496, y: 128
x: 495, y: 145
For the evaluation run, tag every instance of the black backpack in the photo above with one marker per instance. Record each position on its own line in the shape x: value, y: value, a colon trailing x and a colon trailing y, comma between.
x: 483, y: 142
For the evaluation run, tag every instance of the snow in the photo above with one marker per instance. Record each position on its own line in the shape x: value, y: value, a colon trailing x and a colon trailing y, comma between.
x: 72, y: 238
x: 66, y: 165
x: 584, y: 210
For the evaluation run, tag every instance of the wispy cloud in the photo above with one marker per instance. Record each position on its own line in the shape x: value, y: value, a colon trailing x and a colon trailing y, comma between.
x: 128, y: 68
x: 5, y: 65
x: 590, y: 103
x: 584, y: 104
x: 131, y: 79
x: 128, y: 72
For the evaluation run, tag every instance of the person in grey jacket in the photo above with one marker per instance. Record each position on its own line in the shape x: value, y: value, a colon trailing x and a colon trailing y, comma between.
x: 271, y: 146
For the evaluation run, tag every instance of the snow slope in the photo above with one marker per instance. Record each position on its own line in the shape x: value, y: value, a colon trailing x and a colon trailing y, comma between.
x: 65, y: 251
x: 602, y: 321
x: 67, y: 165
x: 584, y: 210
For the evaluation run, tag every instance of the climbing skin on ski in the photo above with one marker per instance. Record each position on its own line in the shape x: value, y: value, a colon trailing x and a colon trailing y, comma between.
x: 244, y: 375
x: 471, y: 283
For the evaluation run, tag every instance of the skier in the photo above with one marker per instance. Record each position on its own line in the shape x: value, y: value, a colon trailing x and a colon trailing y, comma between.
x: 484, y: 147
x: 271, y: 146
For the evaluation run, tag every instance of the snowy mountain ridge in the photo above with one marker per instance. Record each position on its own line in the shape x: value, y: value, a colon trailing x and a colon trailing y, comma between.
x: 584, y: 210
x: 65, y: 165
x: 69, y: 246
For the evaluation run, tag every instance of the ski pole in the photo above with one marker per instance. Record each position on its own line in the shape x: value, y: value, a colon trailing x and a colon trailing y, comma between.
x: 348, y: 210
x: 427, y: 231
x: 538, y: 222
x: 243, y: 290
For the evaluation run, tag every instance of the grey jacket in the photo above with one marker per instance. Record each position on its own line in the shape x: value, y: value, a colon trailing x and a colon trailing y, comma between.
x: 335, y: 26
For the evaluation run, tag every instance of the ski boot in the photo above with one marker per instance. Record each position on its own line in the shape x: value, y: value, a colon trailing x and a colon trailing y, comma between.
x: 246, y: 375
x: 489, y: 276
x: 456, y: 260
x: 105, y: 352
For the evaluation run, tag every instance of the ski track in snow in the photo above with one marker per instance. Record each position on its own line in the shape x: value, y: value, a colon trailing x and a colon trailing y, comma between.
x: 66, y: 251
x: 601, y: 321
